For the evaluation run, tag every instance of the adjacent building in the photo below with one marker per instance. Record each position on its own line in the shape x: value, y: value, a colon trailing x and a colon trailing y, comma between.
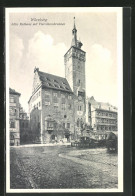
x: 14, y: 117
x: 24, y: 125
x: 57, y: 105
x: 102, y: 117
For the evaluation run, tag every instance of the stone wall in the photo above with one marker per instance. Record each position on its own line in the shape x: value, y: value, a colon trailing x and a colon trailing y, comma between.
x: 14, y: 117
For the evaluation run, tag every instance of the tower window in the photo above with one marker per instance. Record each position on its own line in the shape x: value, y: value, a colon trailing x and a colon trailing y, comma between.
x: 68, y: 125
x: 79, y: 81
x: 79, y: 108
x: 78, y: 122
x: 63, y: 125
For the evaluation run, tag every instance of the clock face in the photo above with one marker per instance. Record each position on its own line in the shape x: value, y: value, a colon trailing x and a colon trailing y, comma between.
x: 80, y: 98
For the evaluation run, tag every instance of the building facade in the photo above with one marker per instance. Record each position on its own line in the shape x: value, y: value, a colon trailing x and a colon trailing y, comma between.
x: 14, y: 126
x: 102, y: 117
x: 51, y: 108
x: 57, y: 105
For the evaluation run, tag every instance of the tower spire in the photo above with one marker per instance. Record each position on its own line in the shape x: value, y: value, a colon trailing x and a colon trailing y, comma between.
x: 74, y: 23
x: 74, y: 34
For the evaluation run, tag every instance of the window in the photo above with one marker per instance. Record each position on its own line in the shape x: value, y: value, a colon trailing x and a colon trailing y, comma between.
x: 12, y: 100
x: 55, y: 81
x: 48, y: 79
x: 56, y: 86
x: 63, y: 106
x: 47, y: 103
x: 62, y: 95
x: 81, y: 123
x: 69, y: 106
x: 11, y: 136
x: 78, y: 122
x: 68, y: 125
x: 55, y: 94
x: 56, y: 105
x: 79, y: 108
x: 69, y: 97
x: 63, y: 125
x: 12, y: 111
x: 12, y: 124
x: 64, y: 83
x: 63, y: 100
x: 55, y: 99
x: 50, y: 84
x: 39, y: 93
x: 47, y: 94
x: 79, y: 81
x: 66, y: 88
x: 39, y: 104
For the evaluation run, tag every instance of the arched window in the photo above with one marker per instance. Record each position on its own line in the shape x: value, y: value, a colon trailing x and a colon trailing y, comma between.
x: 78, y: 122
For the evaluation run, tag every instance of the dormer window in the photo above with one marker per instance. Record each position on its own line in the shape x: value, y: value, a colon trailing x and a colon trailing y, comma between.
x: 55, y: 81
x: 50, y: 84
x: 56, y: 86
x: 61, y: 87
x: 48, y: 79
x: 64, y: 83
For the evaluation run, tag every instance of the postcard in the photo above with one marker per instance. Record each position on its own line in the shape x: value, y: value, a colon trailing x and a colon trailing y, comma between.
x: 64, y: 100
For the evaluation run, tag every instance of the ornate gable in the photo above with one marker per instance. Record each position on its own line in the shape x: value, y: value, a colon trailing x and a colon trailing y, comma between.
x: 36, y: 81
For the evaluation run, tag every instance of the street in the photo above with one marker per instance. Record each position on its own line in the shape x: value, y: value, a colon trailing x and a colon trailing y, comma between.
x: 57, y: 167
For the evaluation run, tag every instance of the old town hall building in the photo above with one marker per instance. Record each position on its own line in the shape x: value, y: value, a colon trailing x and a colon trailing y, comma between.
x: 57, y: 105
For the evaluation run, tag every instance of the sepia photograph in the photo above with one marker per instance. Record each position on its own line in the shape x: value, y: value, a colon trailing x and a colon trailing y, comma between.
x: 64, y: 100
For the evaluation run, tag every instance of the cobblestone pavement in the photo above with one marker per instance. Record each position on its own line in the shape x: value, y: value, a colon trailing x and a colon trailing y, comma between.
x: 62, y: 167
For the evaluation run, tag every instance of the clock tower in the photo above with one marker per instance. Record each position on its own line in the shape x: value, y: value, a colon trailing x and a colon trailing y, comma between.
x: 74, y: 60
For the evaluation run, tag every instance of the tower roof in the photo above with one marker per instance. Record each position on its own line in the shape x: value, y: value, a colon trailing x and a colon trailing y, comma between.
x: 75, y: 42
x: 74, y: 24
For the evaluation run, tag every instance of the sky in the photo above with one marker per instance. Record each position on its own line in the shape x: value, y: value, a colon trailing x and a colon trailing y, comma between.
x: 44, y: 46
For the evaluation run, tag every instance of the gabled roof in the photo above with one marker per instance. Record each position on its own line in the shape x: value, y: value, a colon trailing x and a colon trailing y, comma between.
x: 12, y: 91
x: 102, y: 105
x: 54, y: 82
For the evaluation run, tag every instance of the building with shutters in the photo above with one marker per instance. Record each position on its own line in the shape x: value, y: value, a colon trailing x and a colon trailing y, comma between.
x: 102, y: 117
x: 57, y: 105
x: 14, y: 127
